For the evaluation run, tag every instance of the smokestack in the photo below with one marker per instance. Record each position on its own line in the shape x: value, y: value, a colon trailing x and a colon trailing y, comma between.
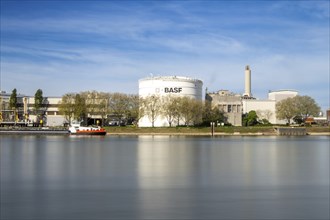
x: 247, y: 82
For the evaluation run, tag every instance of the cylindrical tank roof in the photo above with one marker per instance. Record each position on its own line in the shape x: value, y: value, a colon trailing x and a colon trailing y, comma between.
x: 172, y: 78
x: 283, y: 90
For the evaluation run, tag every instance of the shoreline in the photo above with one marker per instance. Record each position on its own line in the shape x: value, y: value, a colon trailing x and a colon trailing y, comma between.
x: 215, y: 134
x: 62, y: 131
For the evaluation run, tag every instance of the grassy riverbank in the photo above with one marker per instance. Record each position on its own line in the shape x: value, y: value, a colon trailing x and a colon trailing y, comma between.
x: 267, y: 130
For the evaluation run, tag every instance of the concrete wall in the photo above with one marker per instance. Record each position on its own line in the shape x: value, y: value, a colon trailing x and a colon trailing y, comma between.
x: 264, y: 108
x: 229, y: 103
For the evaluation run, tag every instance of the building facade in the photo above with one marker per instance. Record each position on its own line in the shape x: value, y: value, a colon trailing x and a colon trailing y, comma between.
x: 25, y: 110
x: 266, y: 109
x: 229, y: 103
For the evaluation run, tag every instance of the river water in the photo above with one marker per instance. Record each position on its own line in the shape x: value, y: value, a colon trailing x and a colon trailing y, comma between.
x: 164, y: 177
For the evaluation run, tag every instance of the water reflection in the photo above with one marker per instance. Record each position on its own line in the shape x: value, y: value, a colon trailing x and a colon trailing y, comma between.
x: 164, y: 177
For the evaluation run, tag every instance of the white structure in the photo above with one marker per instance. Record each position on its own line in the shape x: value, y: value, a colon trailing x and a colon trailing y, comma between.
x: 229, y: 103
x: 166, y: 86
x: 247, y: 92
x: 176, y: 85
x: 266, y: 109
x: 53, y: 117
x: 282, y: 94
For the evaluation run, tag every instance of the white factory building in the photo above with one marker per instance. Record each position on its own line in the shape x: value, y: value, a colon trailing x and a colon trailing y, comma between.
x: 168, y: 86
x: 234, y: 105
x: 266, y: 109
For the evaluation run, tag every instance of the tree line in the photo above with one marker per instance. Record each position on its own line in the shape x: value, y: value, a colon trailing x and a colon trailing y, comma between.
x: 80, y: 106
x: 131, y: 107
x: 179, y: 110
x: 297, y: 108
x: 176, y: 110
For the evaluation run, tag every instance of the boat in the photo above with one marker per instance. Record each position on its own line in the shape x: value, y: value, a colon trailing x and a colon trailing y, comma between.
x: 77, y: 129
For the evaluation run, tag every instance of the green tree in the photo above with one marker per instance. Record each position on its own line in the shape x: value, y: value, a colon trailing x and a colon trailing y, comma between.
x: 211, y: 114
x: 250, y: 118
x: 13, y: 99
x: 38, y: 100
x: 13, y: 104
x: 80, y: 109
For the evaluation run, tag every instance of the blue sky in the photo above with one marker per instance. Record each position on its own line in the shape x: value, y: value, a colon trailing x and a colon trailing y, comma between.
x: 73, y: 46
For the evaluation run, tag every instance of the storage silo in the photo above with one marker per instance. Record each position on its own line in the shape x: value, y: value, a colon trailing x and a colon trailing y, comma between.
x: 168, y: 86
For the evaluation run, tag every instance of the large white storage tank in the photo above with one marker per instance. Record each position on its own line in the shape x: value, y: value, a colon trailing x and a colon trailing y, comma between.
x: 165, y: 86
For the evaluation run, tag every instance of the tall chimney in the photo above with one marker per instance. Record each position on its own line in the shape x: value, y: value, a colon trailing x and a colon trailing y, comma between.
x: 247, y: 82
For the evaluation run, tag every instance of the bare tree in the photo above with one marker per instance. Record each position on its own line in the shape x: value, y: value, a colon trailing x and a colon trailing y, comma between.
x: 119, y: 105
x: 91, y: 98
x: 302, y: 106
x: 264, y: 114
x: 170, y: 108
x: 285, y: 109
x: 186, y: 112
x: 306, y: 106
x: 134, y: 111
x: 197, y: 111
x: 103, y: 105
x: 151, y: 106
x: 67, y: 106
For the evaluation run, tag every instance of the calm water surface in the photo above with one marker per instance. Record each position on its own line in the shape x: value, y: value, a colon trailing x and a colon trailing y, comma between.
x: 162, y: 177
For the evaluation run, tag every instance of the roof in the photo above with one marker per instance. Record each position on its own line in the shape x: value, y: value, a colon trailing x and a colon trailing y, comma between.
x: 171, y: 78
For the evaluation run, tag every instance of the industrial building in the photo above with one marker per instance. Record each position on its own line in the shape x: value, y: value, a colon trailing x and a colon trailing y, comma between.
x: 266, y: 109
x: 234, y: 105
x: 229, y: 103
x: 25, y: 112
x: 167, y: 86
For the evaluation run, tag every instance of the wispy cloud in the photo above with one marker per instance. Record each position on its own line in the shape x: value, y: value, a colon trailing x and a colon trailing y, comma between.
x: 110, y: 45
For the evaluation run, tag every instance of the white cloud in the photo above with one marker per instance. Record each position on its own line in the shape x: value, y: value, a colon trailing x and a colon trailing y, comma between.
x: 111, y: 51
